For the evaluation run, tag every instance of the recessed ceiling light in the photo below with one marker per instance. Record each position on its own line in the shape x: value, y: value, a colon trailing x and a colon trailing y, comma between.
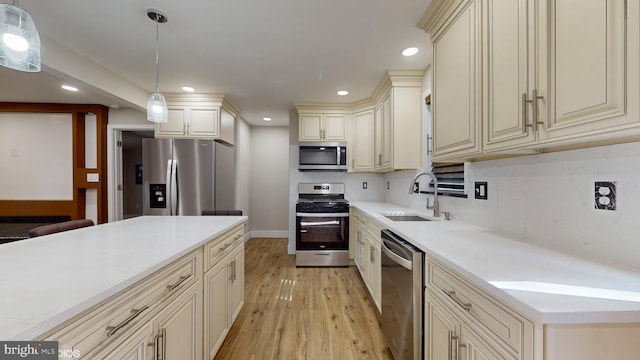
x: 70, y: 88
x: 410, y: 51
x: 266, y: 118
x: 188, y: 89
x: 343, y: 92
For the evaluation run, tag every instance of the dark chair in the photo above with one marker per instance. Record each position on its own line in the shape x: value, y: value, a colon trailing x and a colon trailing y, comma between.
x: 222, y: 212
x: 59, y: 227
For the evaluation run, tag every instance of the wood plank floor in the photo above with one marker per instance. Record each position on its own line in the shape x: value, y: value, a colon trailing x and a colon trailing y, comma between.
x: 302, y: 313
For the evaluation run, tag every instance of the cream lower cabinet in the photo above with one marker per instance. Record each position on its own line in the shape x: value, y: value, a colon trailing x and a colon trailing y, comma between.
x: 464, y: 322
x: 161, y: 317
x: 223, y: 289
x: 367, y: 255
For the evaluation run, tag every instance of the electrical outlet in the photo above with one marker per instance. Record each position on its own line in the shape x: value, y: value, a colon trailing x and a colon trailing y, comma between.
x: 364, y: 185
x: 481, y: 190
x: 605, y: 195
x: 388, y: 186
x: 416, y: 187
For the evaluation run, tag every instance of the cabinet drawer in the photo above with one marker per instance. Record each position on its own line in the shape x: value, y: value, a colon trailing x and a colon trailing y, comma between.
x: 215, y: 249
x: 481, y: 309
x: 116, y: 318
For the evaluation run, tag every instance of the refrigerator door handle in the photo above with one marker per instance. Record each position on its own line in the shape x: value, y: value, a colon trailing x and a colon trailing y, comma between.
x: 168, y: 185
x: 174, y: 188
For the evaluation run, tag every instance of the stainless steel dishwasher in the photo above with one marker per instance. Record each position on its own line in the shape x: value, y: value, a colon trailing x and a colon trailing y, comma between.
x: 402, y: 296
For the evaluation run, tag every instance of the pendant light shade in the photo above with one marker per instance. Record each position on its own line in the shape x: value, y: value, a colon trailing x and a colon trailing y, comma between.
x: 157, y: 106
x: 19, y: 40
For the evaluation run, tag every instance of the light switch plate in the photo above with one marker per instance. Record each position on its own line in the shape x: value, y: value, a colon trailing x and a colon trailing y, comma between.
x: 605, y: 195
x: 481, y: 190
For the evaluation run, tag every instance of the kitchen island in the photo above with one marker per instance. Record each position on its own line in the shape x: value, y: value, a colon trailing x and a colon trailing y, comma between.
x: 532, y: 302
x: 53, y: 284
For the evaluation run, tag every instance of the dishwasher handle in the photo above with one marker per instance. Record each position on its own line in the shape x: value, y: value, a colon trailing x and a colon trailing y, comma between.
x: 407, y: 264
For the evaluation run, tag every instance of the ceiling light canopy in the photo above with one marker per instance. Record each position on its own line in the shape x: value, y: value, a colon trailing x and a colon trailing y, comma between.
x: 343, y: 92
x: 188, y: 89
x: 266, y: 118
x: 19, y: 39
x: 410, y: 51
x: 157, y: 110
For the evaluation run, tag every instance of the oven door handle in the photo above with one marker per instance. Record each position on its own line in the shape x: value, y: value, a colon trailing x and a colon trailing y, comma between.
x: 323, y: 215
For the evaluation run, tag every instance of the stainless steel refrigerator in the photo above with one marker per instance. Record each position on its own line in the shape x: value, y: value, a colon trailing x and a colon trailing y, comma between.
x: 186, y: 176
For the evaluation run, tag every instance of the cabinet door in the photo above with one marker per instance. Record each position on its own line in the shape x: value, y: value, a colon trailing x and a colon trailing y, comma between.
x: 236, y: 283
x: 310, y: 127
x: 136, y: 347
x: 374, y: 270
x: 362, y: 142
x: 455, y: 88
x: 216, y: 326
x: 384, y: 134
x: 335, y: 128
x: 204, y: 122
x: 478, y: 348
x: 176, y: 125
x: 179, y: 326
x: 591, y: 67
x: 440, y: 326
x: 508, y: 66
x: 361, y: 252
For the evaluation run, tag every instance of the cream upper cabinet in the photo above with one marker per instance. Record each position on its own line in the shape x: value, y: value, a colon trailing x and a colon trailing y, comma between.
x: 199, y: 117
x: 323, y: 127
x: 532, y: 75
x: 589, y: 69
x: 455, y: 93
x: 361, y: 142
x: 509, y: 72
x: 398, y: 127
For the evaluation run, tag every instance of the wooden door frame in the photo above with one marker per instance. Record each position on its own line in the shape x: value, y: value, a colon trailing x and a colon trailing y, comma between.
x: 74, y: 208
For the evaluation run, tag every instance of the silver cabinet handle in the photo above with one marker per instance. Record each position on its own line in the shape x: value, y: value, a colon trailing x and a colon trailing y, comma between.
x: 181, y: 279
x: 188, y: 129
x: 525, y: 114
x: 112, y: 330
x: 230, y: 271
x: 452, y: 295
x: 371, y: 256
x: 534, y: 108
x: 429, y: 144
x: 453, y: 339
x: 225, y: 247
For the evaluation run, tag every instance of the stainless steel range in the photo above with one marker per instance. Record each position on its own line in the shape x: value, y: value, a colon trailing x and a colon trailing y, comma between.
x: 322, y: 225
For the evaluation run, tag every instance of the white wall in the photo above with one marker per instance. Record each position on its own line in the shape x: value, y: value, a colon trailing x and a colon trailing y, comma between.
x: 243, y: 168
x: 548, y: 199
x: 36, y: 156
x: 269, y: 181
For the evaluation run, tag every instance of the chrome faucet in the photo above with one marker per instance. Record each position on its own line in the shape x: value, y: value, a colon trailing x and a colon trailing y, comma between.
x: 436, y: 204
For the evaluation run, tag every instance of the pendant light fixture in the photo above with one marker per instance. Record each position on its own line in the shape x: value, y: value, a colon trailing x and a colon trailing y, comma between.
x: 19, y: 39
x: 157, y: 106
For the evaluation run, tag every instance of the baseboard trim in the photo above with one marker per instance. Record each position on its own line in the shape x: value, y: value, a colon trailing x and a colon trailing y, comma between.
x: 268, y: 234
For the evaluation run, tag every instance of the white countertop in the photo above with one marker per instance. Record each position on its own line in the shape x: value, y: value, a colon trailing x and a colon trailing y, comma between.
x: 546, y: 286
x: 46, y: 280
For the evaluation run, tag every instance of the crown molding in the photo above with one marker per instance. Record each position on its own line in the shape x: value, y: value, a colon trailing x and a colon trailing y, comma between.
x: 437, y: 14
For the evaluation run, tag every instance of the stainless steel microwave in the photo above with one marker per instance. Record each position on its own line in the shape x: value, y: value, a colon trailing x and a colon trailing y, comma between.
x: 323, y: 156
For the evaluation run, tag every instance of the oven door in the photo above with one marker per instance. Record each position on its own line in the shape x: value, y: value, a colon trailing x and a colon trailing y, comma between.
x: 322, y: 231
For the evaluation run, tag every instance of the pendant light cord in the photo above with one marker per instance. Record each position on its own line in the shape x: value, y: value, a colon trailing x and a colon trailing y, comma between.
x: 157, y: 55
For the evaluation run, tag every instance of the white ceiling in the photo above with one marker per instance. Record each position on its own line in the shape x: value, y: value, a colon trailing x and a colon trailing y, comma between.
x: 264, y: 55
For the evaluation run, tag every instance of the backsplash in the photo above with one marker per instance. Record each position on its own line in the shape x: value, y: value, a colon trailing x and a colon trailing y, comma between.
x: 548, y: 199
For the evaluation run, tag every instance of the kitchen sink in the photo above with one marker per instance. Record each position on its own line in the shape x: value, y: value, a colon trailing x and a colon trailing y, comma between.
x: 406, y: 218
